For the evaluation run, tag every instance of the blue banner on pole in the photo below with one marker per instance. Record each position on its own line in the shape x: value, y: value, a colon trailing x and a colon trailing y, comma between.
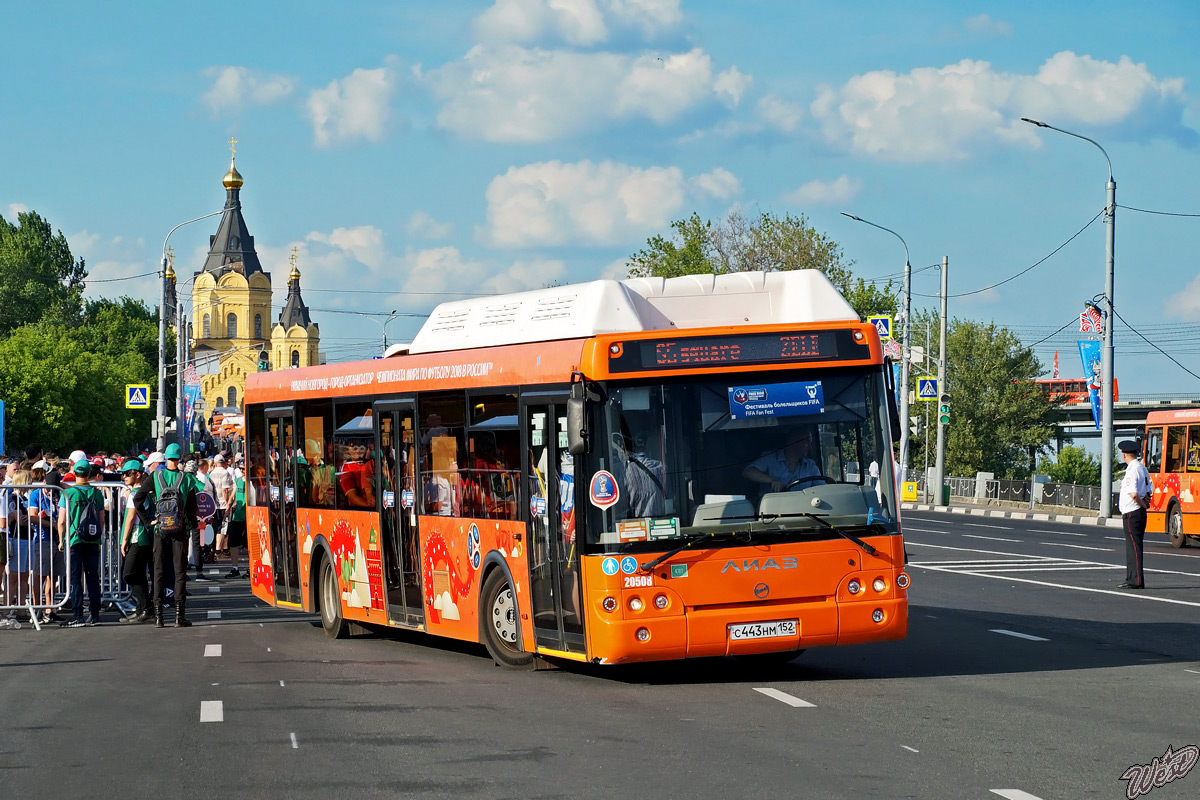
x: 191, y: 396
x: 776, y: 400
x: 1089, y: 351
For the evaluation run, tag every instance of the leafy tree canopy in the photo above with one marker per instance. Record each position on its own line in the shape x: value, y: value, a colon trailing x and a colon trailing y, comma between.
x: 39, y: 278
x: 767, y: 243
x: 1073, y: 465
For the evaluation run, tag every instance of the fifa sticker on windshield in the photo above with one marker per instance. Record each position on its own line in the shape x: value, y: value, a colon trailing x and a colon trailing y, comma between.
x: 776, y: 400
x: 603, y: 490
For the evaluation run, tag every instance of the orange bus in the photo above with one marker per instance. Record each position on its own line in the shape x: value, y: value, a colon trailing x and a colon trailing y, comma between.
x: 1069, y: 390
x: 612, y: 472
x: 1171, y: 453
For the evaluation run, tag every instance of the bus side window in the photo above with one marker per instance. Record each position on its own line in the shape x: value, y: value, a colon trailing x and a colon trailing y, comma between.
x: 443, y: 417
x: 1193, y: 449
x: 1175, y: 453
x: 1154, y: 437
x: 316, y: 478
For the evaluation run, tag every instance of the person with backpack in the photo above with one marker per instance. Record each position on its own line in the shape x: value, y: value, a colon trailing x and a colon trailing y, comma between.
x: 81, y: 527
x: 173, y: 500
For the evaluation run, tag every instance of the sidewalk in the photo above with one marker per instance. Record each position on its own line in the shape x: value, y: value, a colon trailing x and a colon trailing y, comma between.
x: 972, y: 509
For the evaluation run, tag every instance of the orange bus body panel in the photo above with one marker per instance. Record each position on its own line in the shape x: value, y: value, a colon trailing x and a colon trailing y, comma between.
x: 1174, y: 488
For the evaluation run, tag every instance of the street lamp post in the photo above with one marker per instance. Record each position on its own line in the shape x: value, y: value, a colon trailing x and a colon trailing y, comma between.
x: 161, y: 410
x: 1106, y: 353
x: 907, y: 356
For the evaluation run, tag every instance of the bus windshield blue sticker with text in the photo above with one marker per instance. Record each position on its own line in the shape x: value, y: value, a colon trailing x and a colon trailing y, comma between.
x: 776, y: 400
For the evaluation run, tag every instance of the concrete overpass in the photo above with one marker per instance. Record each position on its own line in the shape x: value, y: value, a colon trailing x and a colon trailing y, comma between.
x: 1129, y: 415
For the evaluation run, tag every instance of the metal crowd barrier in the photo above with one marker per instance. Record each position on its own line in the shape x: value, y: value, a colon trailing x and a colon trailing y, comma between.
x: 36, y: 576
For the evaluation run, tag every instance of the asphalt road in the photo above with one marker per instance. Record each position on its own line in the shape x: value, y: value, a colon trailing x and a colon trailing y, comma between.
x: 1026, y: 673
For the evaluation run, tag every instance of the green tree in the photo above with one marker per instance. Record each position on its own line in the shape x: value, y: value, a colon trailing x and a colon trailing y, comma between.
x: 1073, y: 465
x: 39, y: 278
x: 998, y: 414
x: 766, y: 243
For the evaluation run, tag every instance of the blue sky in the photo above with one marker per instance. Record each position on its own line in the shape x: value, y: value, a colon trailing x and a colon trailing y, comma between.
x: 409, y: 149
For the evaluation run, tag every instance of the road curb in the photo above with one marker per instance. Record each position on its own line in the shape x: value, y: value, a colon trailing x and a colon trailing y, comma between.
x: 1069, y: 519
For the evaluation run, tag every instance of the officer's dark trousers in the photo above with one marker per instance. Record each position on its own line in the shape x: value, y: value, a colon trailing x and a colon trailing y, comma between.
x: 1135, y: 532
x: 137, y: 561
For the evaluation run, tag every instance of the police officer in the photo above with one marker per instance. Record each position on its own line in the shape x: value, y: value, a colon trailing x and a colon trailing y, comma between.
x: 172, y: 548
x: 1135, y: 494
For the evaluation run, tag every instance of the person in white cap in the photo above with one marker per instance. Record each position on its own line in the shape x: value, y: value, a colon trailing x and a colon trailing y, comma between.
x: 223, y: 487
x: 153, y: 462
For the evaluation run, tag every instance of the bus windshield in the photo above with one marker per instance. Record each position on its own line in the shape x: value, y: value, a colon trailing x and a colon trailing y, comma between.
x: 743, y: 457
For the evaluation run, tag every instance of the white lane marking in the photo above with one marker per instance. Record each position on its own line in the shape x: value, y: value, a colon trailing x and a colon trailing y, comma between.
x: 268, y: 649
x: 784, y: 697
x: 1130, y: 595
x: 1015, y: 794
x: 1116, y: 538
x: 938, y: 521
x: 1079, y: 547
x: 295, y: 744
x: 927, y: 530
x: 214, y: 589
x: 212, y: 711
x: 1058, y: 568
x: 214, y: 615
x: 1194, y: 672
x: 1060, y: 533
x: 989, y: 538
x: 212, y: 651
x: 983, y: 525
x: 910, y: 749
x: 1018, y: 634
x: 281, y: 683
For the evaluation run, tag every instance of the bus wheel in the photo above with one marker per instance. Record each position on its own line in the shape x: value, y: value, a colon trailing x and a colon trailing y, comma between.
x: 331, y: 603
x: 500, y: 623
x: 1175, y: 527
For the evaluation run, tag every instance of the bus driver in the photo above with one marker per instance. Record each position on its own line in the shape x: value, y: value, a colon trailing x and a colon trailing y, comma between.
x: 780, y: 468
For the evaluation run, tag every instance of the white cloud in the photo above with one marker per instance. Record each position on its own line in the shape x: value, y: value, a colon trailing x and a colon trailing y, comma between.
x: 616, y: 270
x: 420, y: 224
x: 984, y: 25
x: 720, y: 183
x: 234, y: 87
x: 825, y: 193
x: 13, y: 210
x: 1185, y: 304
x: 553, y: 203
x: 577, y: 22
x: 780, y: 113
x: 515, y: 94
x: 122, y: 264
x: 354, y: 107
x: 730, y: 85
x: 364, y: 243
x: 937, y: 114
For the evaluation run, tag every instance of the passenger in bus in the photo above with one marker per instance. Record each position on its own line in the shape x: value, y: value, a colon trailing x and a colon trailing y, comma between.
x: 488, y: 486
x: 355, y: 480
x: 782, y: 468
x: 642, y: 478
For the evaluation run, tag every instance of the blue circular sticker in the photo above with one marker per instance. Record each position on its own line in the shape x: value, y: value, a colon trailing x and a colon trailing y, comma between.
x: 629, y: 565
x: 473, y: 546
x: 610, y: 566
x: 603, y: 490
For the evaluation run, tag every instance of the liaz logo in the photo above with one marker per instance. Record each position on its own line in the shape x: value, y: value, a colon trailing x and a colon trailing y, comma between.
x: 753, y: 565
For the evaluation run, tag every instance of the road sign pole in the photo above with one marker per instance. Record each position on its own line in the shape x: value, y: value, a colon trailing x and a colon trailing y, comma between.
x: 939, y: 464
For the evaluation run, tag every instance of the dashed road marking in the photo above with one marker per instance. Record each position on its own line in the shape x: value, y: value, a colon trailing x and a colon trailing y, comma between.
x: 784, y: 697
x: 1015, y: 794
x: 1019, y: 635
x: 990, y: 538
x: 295, y: 744
x: 214, y: 589
x: 984, y: 525
x: 1193, y: 671
x: 1060, y: 533
x: 1079, y: 547
x: 214, y: 615
x: 910, y: 749
x: 212, y: 651
x: 212, y: 711
x: 281, y: 683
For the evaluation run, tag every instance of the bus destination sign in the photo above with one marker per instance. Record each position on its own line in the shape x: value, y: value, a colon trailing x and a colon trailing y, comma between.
x: 735, y: 349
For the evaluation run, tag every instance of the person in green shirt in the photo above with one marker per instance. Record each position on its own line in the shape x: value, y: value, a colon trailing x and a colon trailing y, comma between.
x: 137, y: 546
x: 172, y: 547
x: 81, y: 528
x: 235, y: 529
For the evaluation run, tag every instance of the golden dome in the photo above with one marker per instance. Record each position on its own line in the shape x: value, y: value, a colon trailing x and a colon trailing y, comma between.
x: 294, y: 275
x: 233, y: 178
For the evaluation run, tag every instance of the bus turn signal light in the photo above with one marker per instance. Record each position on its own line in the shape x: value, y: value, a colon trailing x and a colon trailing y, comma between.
x: 610, y: 604
x: 902, y: 580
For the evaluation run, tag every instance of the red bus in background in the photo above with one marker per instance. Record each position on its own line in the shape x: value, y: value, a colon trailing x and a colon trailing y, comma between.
x: 1070, y: 390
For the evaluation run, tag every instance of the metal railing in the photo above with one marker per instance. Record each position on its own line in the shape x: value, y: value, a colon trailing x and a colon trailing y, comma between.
x: 36, y: 574
x: 1069, y: 495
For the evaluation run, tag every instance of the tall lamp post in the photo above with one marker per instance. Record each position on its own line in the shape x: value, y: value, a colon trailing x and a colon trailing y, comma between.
x: 1106, y: 352
x: 906, y: 358
x: 161, y: 410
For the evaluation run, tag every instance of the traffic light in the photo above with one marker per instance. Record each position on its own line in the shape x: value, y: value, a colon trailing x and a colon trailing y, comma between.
x: 264, y: 361
x: 944, y: 409
x: 916, y: 426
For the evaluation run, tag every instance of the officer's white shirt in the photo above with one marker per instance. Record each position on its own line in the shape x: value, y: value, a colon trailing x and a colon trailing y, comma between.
x: 1136, y: 479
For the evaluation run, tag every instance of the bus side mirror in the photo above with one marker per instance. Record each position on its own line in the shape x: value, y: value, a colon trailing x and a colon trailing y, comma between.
x: 577, y: 419
x: 893, y: 409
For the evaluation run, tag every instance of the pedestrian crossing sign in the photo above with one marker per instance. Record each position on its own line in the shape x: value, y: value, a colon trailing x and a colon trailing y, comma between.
x: 883, y: 324
x: 927, y: 389
x: 137, y: 395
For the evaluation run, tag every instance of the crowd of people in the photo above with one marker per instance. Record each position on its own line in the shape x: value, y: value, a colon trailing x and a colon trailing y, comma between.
x: 51, y: 505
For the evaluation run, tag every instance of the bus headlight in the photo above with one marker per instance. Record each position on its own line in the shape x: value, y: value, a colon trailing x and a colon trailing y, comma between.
x: 879, y: 585
x: 660, y: 602
x: 635, y: 604
x: 854, y: 587
x: 877, y: 615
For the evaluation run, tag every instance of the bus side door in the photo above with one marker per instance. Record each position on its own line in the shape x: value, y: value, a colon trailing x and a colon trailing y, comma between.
x: 281, y: 481
x: 397, y: 502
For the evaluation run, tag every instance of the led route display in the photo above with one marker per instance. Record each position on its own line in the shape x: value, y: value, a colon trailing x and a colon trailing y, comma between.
x: 736, y: 349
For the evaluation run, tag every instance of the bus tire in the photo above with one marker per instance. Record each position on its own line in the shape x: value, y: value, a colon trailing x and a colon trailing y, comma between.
x: 330, y: 599
x: 499, y: 623
x: 1175, y: 526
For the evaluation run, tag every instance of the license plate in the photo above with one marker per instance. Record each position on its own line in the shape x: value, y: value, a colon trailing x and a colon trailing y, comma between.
x: 763, y: 630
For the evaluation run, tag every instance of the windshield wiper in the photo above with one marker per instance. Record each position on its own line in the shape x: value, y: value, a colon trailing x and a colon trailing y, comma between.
x: 649, y: 565
x: 815, y: 518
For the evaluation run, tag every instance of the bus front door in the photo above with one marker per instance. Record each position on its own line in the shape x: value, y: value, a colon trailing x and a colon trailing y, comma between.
x: 281, y: 479
x: 398, y: 511
x: 553, y: 551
